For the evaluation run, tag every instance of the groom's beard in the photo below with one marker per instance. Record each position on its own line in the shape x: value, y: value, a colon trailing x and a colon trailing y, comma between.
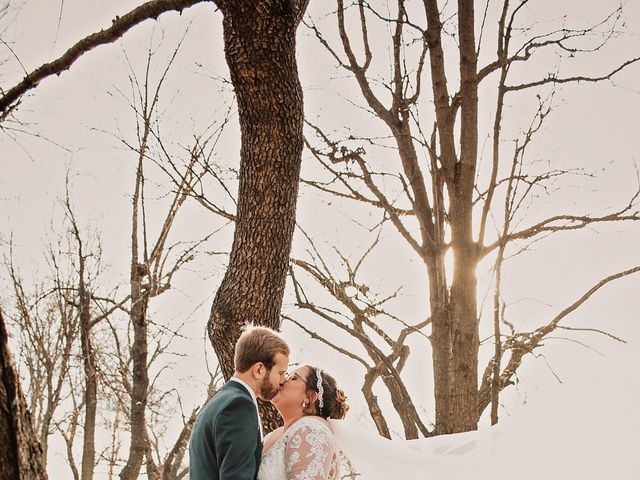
x: 267, y: 390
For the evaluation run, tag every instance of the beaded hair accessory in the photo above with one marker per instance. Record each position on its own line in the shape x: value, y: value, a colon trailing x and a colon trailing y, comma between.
x: 320, y: 390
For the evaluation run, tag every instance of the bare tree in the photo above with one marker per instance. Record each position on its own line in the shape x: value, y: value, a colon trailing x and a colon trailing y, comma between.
x: 443, y: 196
x: 153, y: 263
x: 87, y: 322
x: 57, y: 323
x: 49, y: 326
x: 154, y: 266
x: 369, y: 322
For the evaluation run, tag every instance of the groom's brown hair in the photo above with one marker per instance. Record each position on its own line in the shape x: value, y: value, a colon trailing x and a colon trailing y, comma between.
x: 258, y: 344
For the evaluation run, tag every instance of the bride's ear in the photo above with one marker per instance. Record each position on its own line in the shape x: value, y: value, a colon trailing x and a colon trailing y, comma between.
x: 312, y: 396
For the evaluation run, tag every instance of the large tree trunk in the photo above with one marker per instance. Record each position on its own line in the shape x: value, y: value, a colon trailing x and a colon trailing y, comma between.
x: 260, y: 41
x: 20, y: 452
x: 259, y: 38
x: 455, y: 325
x: 464, y: 286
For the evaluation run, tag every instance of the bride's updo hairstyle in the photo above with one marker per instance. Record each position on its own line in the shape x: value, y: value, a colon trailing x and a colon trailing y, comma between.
x: 334, y: 401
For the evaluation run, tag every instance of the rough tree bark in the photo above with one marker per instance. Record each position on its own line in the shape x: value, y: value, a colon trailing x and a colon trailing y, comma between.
x: 260, y: 40
x: 20, y: 455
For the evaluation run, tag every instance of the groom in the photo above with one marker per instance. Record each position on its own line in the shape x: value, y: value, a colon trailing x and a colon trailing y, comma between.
x: 226, y: 438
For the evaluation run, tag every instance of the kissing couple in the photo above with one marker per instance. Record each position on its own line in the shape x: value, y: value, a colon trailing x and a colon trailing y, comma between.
x: 226, y: 441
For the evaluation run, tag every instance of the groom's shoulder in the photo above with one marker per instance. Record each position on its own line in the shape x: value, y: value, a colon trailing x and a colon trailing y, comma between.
x: 228, y: 395
x: 232, y: 390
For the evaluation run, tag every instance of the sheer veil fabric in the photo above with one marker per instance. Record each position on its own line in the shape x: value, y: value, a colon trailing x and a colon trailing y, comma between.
x: 372, y: 457
x: 586, y: 428
x: 496, y: 453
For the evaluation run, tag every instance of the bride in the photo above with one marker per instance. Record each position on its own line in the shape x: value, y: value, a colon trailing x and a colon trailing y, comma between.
x: 305, y: 447
x: 315, y: 444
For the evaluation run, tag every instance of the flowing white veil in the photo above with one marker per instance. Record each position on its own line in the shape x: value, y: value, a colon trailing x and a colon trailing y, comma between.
x: 585, y: 430
x: 449, y: 457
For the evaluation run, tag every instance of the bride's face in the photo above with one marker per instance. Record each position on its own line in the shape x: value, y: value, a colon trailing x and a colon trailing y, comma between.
x: 294, y: 393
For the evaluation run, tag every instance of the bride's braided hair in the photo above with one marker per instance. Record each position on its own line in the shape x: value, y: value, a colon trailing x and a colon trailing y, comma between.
x: 334, y: 401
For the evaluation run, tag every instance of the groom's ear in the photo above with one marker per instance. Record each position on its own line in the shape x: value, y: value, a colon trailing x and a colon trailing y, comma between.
x: 258, y: 370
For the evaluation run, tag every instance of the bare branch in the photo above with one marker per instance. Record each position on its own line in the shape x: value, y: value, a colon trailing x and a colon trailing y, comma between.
x: 119, y: 26
x: 553, y: 79
x: 358, y: 70
x: 594, y: 330
x: 562, y: 223
x: 324, y: 340
x: 521, y: 344
x: 340, y: 155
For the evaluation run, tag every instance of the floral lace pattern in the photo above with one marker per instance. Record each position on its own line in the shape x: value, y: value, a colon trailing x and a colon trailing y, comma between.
x: 306, y: 451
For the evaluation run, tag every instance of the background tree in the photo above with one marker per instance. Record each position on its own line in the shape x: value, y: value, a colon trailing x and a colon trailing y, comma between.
x: 53, y: 320
x: 122, y: 368
x: 50, y: 326
x: 21, y: 453
x: 265, y: 78
x: 442, y: 206
x: 63, y: 393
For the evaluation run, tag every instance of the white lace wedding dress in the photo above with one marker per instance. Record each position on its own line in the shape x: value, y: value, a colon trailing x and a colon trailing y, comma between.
x: 306, y: 451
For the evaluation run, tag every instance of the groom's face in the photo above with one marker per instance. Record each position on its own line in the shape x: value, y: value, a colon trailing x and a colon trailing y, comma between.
x: 274, y: 378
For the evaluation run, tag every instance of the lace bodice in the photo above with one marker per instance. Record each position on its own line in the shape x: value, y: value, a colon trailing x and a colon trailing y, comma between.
x: 306, y: 451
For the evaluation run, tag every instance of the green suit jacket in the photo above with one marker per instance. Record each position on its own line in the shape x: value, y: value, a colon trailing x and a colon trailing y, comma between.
x: 225, y: 441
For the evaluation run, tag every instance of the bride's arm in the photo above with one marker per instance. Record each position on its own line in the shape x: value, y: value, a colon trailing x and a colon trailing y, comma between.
x: 309, y: 453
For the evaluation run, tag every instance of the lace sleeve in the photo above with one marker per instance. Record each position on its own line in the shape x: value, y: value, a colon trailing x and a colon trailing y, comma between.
x: 309, y: 453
